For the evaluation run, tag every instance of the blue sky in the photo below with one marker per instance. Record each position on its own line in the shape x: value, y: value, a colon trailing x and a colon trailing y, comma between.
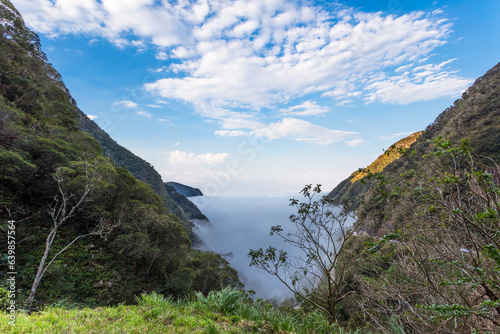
x: 264, y: 96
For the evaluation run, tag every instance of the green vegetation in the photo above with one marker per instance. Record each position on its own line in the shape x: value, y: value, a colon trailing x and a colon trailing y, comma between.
x: 437, y: 268
x: 226, y: 311
x: 178, y: 204
x: 123, y: 238
x: 357, y: 183
x: 425, y: 256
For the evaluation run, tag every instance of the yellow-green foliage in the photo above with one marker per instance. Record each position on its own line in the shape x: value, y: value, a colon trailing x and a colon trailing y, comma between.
x: 389, y: 156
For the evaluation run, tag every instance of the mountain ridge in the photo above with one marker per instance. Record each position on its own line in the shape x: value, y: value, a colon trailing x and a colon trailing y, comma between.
x: 142, y: 170
x: 184, y: 189
x: 356, y: 183
x: 474, y: 117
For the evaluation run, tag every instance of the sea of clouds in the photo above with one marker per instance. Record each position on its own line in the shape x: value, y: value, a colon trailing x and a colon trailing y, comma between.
x: 240, y: 223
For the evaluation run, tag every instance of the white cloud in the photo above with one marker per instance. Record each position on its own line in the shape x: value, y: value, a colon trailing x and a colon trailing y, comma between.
x: 397, y: 135
x: 232, y: 133
x: 418, y: 84
x: 92, y: 117
x: 309, y: 54
x: 143, y: 113
x: 238, y: 59
x: 344, y: 103
x: 126, y: 104
x: 154, y: 106
x: 257, y: 51
x: 161, y: 56
x: 356, y: 142
x: 289, y: 127
x: 184, y: 158
x: 307, y: 108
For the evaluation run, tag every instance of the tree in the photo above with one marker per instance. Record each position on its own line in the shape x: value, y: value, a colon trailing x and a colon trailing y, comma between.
x: 76, y: 186
x: 320, y: 232
x: 445, y: 270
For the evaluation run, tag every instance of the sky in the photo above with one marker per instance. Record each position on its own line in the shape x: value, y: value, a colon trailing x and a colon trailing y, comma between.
x: 264, y: 96
x: 236, y: 227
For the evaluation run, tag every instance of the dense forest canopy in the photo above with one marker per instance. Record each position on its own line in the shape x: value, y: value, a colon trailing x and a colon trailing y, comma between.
x: 43, y: 153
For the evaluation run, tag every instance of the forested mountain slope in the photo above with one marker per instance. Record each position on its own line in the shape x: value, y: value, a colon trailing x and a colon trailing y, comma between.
x: 475, y: 118
x: 59, y: 190
x: 185, y: 190
x: 183, y: 208
x: 357, y: 184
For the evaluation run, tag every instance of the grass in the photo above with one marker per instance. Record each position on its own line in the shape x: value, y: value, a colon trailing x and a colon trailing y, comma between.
x: 225, y: 311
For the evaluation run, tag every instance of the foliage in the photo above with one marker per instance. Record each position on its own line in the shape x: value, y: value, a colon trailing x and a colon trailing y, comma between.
x: 225, y: 311
x: 444, y: 273
x: 42, y: 157
x: 316, y: 278
x: 358, y: 183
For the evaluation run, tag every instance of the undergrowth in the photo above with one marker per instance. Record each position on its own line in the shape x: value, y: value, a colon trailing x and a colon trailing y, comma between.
x: 225, y: 311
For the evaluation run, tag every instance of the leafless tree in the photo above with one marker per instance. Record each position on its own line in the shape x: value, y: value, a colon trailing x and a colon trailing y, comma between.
x: 66, y: 203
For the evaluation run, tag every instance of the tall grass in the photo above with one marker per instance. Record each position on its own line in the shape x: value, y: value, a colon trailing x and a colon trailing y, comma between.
x: 225, y: 311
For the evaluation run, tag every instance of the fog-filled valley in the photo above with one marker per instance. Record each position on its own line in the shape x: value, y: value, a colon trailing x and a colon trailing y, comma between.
x: 238, y: 223
x: 242, y: 222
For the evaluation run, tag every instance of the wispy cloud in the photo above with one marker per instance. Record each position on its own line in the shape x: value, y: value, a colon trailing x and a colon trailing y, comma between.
x: 422, y: 83
x: 92, y: 117
x: 184, y: 158
x: 356, y: 142
x: 297, y: 129
x: 143, y: 114
x: 307, y: 108
x: 126, y: 104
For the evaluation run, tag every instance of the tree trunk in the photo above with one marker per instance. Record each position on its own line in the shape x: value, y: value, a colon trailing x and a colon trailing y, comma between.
x: 39, y: 273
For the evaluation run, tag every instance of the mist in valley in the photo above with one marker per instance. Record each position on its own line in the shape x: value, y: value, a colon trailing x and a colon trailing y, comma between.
x: 240, y: 223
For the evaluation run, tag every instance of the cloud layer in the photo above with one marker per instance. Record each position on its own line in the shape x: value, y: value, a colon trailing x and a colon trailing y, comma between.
x: 239, y: 61
x: 185, y: 158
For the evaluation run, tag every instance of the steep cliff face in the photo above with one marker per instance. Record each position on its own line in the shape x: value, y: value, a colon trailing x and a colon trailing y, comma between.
x: 185, y: 190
